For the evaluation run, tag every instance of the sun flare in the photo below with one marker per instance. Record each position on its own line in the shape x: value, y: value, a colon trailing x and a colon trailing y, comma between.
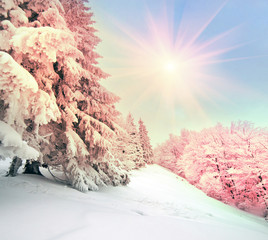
x: 173, y: 65
x: 170, y: 67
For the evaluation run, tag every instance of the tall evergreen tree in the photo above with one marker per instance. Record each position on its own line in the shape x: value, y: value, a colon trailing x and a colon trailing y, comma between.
x: 120, y: 148
x: 133, y: 147
x: 145, y: 143
x: 65, y: 113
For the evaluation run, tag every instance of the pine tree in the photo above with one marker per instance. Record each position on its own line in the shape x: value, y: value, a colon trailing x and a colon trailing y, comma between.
x: 145, y: 143
x: 120, y: 147
x: 133, y: 146
x: 61, y: 110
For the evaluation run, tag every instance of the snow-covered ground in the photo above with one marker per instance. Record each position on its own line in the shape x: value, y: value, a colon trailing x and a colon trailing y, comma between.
x: 156, y: 205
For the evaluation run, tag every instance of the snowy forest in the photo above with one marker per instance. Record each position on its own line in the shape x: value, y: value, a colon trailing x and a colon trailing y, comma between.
x: 54, y: 111
x: 227, y: 163
x: 56, y: 114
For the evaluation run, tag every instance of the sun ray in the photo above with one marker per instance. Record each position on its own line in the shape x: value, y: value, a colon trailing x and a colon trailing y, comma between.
x: 168, y: 64
x: 204, y: 27
x: 215, y: 39
x: 234, y: 59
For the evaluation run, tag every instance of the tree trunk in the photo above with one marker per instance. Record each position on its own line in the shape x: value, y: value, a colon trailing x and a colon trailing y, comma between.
x: 32, y: 167
x: 14, y: 167
x: 266, y: 215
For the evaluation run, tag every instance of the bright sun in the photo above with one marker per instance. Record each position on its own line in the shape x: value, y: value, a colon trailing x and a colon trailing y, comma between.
x: 170, y: 67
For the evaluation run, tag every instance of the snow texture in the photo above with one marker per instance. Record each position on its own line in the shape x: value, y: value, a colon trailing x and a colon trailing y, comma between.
x: 157, y: 205
x: 10, y: 69
x: 11, y: 144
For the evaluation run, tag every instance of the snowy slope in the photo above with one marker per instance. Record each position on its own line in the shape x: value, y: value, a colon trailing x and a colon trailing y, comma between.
x: 156, y: 205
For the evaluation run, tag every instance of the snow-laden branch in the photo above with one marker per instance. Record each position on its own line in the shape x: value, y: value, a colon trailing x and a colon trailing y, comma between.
x: 12, y: 144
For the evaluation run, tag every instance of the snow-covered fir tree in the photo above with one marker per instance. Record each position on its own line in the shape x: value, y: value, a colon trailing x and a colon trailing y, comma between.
x: 120, y: 146
x: 145, y: 143
x: 132, y: 152
x: 133, y: 145
x: 50, y: 90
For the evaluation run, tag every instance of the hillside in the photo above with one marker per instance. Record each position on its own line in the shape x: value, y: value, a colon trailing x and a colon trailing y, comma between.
x: 156, y: 204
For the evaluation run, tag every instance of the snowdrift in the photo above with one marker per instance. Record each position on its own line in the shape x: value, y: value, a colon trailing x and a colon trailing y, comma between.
x: 156, y: 204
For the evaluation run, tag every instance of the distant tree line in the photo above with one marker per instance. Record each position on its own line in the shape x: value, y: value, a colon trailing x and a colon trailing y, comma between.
x: 227, y: 163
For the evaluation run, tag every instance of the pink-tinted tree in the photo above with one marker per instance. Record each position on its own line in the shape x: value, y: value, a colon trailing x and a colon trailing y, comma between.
x: 169, y: 153
x: 133, y: 145
x: 145, y: 143
x: 227, y: 163
x: 252, y: 182
x: 165, y: 154
x: 66, y: 114
x: 121, y: 149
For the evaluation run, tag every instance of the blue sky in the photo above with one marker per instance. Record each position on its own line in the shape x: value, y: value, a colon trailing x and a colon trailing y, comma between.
x: 238, y: 88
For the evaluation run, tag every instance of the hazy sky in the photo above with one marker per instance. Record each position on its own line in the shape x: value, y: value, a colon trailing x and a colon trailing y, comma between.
x: 185, y: 63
